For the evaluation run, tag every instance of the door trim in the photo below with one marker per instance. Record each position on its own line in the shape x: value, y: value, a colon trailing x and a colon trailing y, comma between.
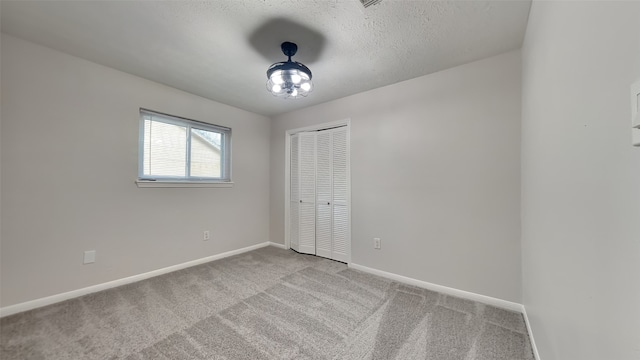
x: 287, y: 172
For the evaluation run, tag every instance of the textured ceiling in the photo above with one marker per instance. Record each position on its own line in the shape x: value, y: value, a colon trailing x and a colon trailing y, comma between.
x: 221, y: 49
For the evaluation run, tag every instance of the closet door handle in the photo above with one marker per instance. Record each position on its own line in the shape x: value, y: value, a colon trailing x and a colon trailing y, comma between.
x: 300, y: 201
x: 328, y: 203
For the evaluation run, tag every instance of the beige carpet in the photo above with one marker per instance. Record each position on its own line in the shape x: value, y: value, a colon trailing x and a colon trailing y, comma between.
x: 266, y: 304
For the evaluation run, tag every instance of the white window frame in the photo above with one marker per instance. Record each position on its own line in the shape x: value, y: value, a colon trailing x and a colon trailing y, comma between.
x: 185, y: 181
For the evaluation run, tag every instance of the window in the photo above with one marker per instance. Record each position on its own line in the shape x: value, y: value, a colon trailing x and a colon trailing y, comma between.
x: 173, y: 149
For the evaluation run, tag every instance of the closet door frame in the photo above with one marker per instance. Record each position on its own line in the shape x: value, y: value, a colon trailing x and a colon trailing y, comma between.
x: 287, y: 175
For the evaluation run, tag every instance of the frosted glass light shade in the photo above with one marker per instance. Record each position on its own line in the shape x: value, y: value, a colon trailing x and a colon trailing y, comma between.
x: 289, y: 79
x: 290, y: 83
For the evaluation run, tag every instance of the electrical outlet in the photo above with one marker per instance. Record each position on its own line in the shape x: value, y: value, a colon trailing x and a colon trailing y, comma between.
x: 376, y: 243
x: 89, y: 257
x: 205, y: 235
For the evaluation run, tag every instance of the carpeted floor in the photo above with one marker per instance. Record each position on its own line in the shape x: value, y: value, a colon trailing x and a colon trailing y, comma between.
x: 266, y: 304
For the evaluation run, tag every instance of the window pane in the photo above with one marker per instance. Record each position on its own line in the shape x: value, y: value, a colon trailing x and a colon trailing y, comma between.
x: 165, y: 149
x: 205, y: 153
x: 179, y: 149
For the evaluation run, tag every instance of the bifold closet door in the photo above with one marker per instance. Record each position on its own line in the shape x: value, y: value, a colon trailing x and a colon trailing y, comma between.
x: 340, y: 210
x: 324, y: 195
x: 332, y: 215
x: 319, y: 214
x: 307, y: 191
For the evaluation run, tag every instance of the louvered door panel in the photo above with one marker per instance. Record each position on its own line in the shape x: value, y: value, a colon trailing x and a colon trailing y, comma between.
x: 307, y: 167
x: 340, y: 233
x: 295, y: 169
x: 340, y: 229
x: 307, y: 243
x: 324, y: 227
x: 339, y: 166
x: 323, y: 167
x: 307, y: 143
x: 294, y: 225
x: 294, y: 197
x: 323, y: 194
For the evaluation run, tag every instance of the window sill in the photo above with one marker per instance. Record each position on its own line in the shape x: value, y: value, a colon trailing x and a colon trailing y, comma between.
x: 182, y: 184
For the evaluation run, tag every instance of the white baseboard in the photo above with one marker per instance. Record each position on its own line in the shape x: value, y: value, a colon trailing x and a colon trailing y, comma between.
x: 278, y: 245
x: 504, y: 304
x: 533, y: 342
x: 33, y: 304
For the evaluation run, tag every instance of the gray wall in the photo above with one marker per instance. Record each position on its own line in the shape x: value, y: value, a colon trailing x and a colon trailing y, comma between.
x: 435, y: 164
x: 581, y: 180
x: 69, y: 161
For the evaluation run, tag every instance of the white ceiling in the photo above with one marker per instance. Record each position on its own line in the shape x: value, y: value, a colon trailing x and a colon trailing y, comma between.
x: 220, y: 49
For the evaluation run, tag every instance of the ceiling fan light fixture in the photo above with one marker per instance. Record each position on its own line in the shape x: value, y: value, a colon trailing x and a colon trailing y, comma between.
x: 289, y: 79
